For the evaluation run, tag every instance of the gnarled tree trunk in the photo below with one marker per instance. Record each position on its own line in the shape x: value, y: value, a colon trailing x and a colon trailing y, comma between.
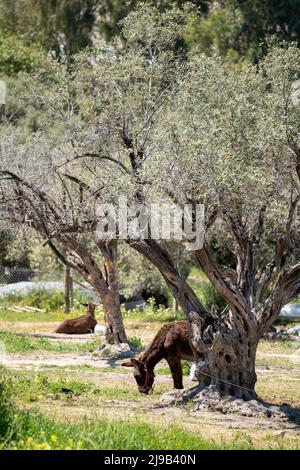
x: 105, y: 283
x: 224, y: 345
x: 225, y: 355
x: 115, y: 331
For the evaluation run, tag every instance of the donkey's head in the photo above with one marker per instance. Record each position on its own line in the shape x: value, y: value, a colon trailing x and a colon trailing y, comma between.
x: 143, y: 376
x: 90, y: 308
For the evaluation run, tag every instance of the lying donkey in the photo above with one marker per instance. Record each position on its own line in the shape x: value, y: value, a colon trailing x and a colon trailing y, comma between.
x: 80, y: 325
x: 172, y: 344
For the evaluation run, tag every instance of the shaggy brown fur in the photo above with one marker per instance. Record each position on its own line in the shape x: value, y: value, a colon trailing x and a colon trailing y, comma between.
x: 80, y: 325
x: 170, y: 343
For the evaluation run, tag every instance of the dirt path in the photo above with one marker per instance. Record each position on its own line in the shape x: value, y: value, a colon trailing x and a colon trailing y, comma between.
x: 282, y: 356
x: 17, y: 361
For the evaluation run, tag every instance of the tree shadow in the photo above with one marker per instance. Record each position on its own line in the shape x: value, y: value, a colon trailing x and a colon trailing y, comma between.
x: 228, y: 405
x: 289, y: 413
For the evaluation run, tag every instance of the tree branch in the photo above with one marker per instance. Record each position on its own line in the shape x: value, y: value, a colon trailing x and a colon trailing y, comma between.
x: 223, y: 283
x: 159, y: 257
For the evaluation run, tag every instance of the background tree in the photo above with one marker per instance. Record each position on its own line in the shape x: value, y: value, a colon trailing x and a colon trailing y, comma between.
x: 55, y: 24
x: 237, y: 28
x: 48, y: 190
x: 99, y: 116
x: 232, y: 28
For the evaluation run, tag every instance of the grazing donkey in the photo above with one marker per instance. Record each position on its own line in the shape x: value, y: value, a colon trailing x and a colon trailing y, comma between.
x: 170, y: 343
x: 80, y: 325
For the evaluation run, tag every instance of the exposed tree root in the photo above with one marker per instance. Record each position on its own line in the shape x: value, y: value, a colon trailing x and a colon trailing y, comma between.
x: 209, y: 398
x: 121, y: 350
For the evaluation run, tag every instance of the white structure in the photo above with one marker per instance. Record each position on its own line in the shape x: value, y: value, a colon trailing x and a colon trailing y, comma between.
x: 290, y: 312
x: 295, y: 93
x: 2, y: 92
x: 192, y: 373
x: 100, y: 330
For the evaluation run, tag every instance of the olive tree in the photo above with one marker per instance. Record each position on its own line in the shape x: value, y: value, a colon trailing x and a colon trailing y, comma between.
x: 226, y: 138
x: 141, y: 118
x: 93, y: 118
x: 46, y: 188
x: 230, y: 141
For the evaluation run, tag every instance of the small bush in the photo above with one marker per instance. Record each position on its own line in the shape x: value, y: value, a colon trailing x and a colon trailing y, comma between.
x: 81, y: 298
x: 208, y: 296
x: 44, y: 299
x: 136, y: 341
x: 16, y: 56
x: 49, y: 300
x: 153, y: 313
x: 11, y: 298
x: 206, y: 293
x: 186, y: 367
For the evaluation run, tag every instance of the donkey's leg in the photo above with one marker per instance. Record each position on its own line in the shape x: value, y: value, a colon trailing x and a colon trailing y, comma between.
x: 176, y: 372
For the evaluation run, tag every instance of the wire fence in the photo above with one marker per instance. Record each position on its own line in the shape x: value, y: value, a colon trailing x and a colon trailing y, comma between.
x: 22, y: 280
x: 12, y: 275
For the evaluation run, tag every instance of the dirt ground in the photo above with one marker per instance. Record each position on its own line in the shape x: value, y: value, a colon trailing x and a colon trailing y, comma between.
x: 278, y: 373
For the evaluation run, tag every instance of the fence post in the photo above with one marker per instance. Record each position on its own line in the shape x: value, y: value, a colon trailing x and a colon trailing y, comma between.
x: 71, y: 292
x: 67, y: 288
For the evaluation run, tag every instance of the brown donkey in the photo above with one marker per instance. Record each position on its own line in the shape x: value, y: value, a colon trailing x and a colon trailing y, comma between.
x: 172, y: 344
x: 80, y: 325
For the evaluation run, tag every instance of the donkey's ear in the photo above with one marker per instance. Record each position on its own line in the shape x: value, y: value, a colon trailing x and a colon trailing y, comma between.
x: 127, y: 364
x: 131, y: 363
x: 136, y: 362
x: 91, y: 308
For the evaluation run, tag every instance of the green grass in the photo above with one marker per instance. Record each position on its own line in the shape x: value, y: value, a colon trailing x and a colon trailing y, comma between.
x: 186, y: 367
x: 53, y: 303
x: 8, y: 315
x: 40, y: 387
x: 22, y: 343
x: 33, y: 430
x: 27, y: 388
x: 278, y: 346
x: 11, y: 316
x: 150, y: 313
x: 37, y: 431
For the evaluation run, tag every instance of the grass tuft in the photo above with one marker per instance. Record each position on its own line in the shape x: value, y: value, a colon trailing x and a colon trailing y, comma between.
x: 22, y: 343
